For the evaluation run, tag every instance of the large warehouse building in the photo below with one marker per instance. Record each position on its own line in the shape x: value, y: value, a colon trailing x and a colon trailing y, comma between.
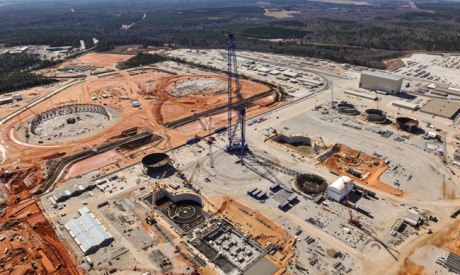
x: 380, y: 81
x: 88, y: 232
x: 340, y: 188
x: 442, y: 107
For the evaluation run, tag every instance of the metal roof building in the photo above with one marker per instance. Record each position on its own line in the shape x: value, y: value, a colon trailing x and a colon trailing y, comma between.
x: 100, y: 235
x: 87, y: 244
x: 381, y: 81
x: 88, y: 221
x: 405, y: 105
x: 291, y: 74
x: 88, y: 232
x: 412, y: 218
x: 442, y: 107
x: 450, y: 91
x: 75, y: 190
x: 84, y: 210
x: 60, y: 196
x: 74, y: 227
x: 340, y: 188
x: 453, y: 262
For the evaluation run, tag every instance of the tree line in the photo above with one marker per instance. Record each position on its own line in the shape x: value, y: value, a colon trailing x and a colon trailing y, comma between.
x: 15, y: 72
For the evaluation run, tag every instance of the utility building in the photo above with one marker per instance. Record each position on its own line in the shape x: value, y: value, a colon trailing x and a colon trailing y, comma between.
x: 380, y: 81
x: 340, y: 188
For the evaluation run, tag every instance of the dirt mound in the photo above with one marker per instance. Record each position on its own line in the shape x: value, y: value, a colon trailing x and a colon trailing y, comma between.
x: 360, y: 166
x: 410, y: 268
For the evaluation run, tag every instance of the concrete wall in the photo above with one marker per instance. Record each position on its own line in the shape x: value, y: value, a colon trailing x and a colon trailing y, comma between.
x: 373, y: 82
x: 298, y: 139
x: 179, y: 197
x: 338, y: 196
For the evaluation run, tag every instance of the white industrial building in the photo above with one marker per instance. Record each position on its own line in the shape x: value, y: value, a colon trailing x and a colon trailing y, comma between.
x: 405, y: 105
x: 340, y: 188
x: 380, y: 81
x: 88, y: 232
x: 291, y: 74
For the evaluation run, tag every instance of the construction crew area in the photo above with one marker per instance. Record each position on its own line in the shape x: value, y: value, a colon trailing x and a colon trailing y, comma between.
x: 206, y: 163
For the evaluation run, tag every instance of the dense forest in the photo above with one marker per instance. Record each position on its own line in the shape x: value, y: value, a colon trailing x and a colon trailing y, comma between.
x: 15, y: 72
x: 142, y: 59
x: 361, y: 35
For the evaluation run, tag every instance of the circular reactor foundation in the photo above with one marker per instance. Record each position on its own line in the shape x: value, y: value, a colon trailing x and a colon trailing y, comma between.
x: 407, y: 124
x: 310, y: 184
x: 193, y: 85
x: 347, y: 108
x: 155, y: 162
x: 66, y: 123
x: 184, y: 211
x: 375, y: 115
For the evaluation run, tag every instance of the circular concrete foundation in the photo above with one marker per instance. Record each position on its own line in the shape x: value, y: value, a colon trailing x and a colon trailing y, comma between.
x: 310, y: 183
x: 375, y: 115
x: 67, y: 124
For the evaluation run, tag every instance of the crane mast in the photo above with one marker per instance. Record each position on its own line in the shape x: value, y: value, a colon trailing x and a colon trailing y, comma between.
x: 235, y: 144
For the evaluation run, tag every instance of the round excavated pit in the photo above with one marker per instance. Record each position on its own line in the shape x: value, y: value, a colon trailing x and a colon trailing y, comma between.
x: 310, y: 183
x: 375, y: 115
x: 407, y: 124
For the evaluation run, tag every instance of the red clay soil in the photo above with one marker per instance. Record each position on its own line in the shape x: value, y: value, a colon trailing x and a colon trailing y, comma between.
x: 347, y: 157
x: 25, y: 160
x: 173, y: 108
x: 92, y: 163
x: 29, y: 235
x: 150, y: 88
x: 410, y: 268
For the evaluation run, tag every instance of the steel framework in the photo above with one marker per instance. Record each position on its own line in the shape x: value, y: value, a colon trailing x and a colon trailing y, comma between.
x: 235, y: 143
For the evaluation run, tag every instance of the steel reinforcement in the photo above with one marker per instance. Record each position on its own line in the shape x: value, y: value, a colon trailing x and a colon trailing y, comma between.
x: 65, y: 110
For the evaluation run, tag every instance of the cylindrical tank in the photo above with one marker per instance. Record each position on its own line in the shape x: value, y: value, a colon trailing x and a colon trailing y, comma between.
x: 407, y: 124
x: 155, y: 162
x: 347, y: 108
x: 375, y: 115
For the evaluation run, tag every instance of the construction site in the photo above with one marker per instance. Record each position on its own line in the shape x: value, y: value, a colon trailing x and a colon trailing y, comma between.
x: 224, y: 163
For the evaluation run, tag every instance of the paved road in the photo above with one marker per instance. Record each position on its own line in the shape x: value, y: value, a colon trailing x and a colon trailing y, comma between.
x: 39, y: 100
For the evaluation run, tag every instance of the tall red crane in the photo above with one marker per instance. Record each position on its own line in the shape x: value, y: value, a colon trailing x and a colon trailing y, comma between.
x: 352, y: 220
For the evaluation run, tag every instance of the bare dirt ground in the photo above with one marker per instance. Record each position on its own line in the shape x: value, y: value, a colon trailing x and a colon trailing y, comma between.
x: 280, y: 14
x: 102, y: 61
x: 409, y: 268
x: 374, y: 167
x: 90, y: 164
x: 116, y: 91
x: 176, y: 108
x: 394, y: 64
x: 447, y: 239
x: 29, y: 235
